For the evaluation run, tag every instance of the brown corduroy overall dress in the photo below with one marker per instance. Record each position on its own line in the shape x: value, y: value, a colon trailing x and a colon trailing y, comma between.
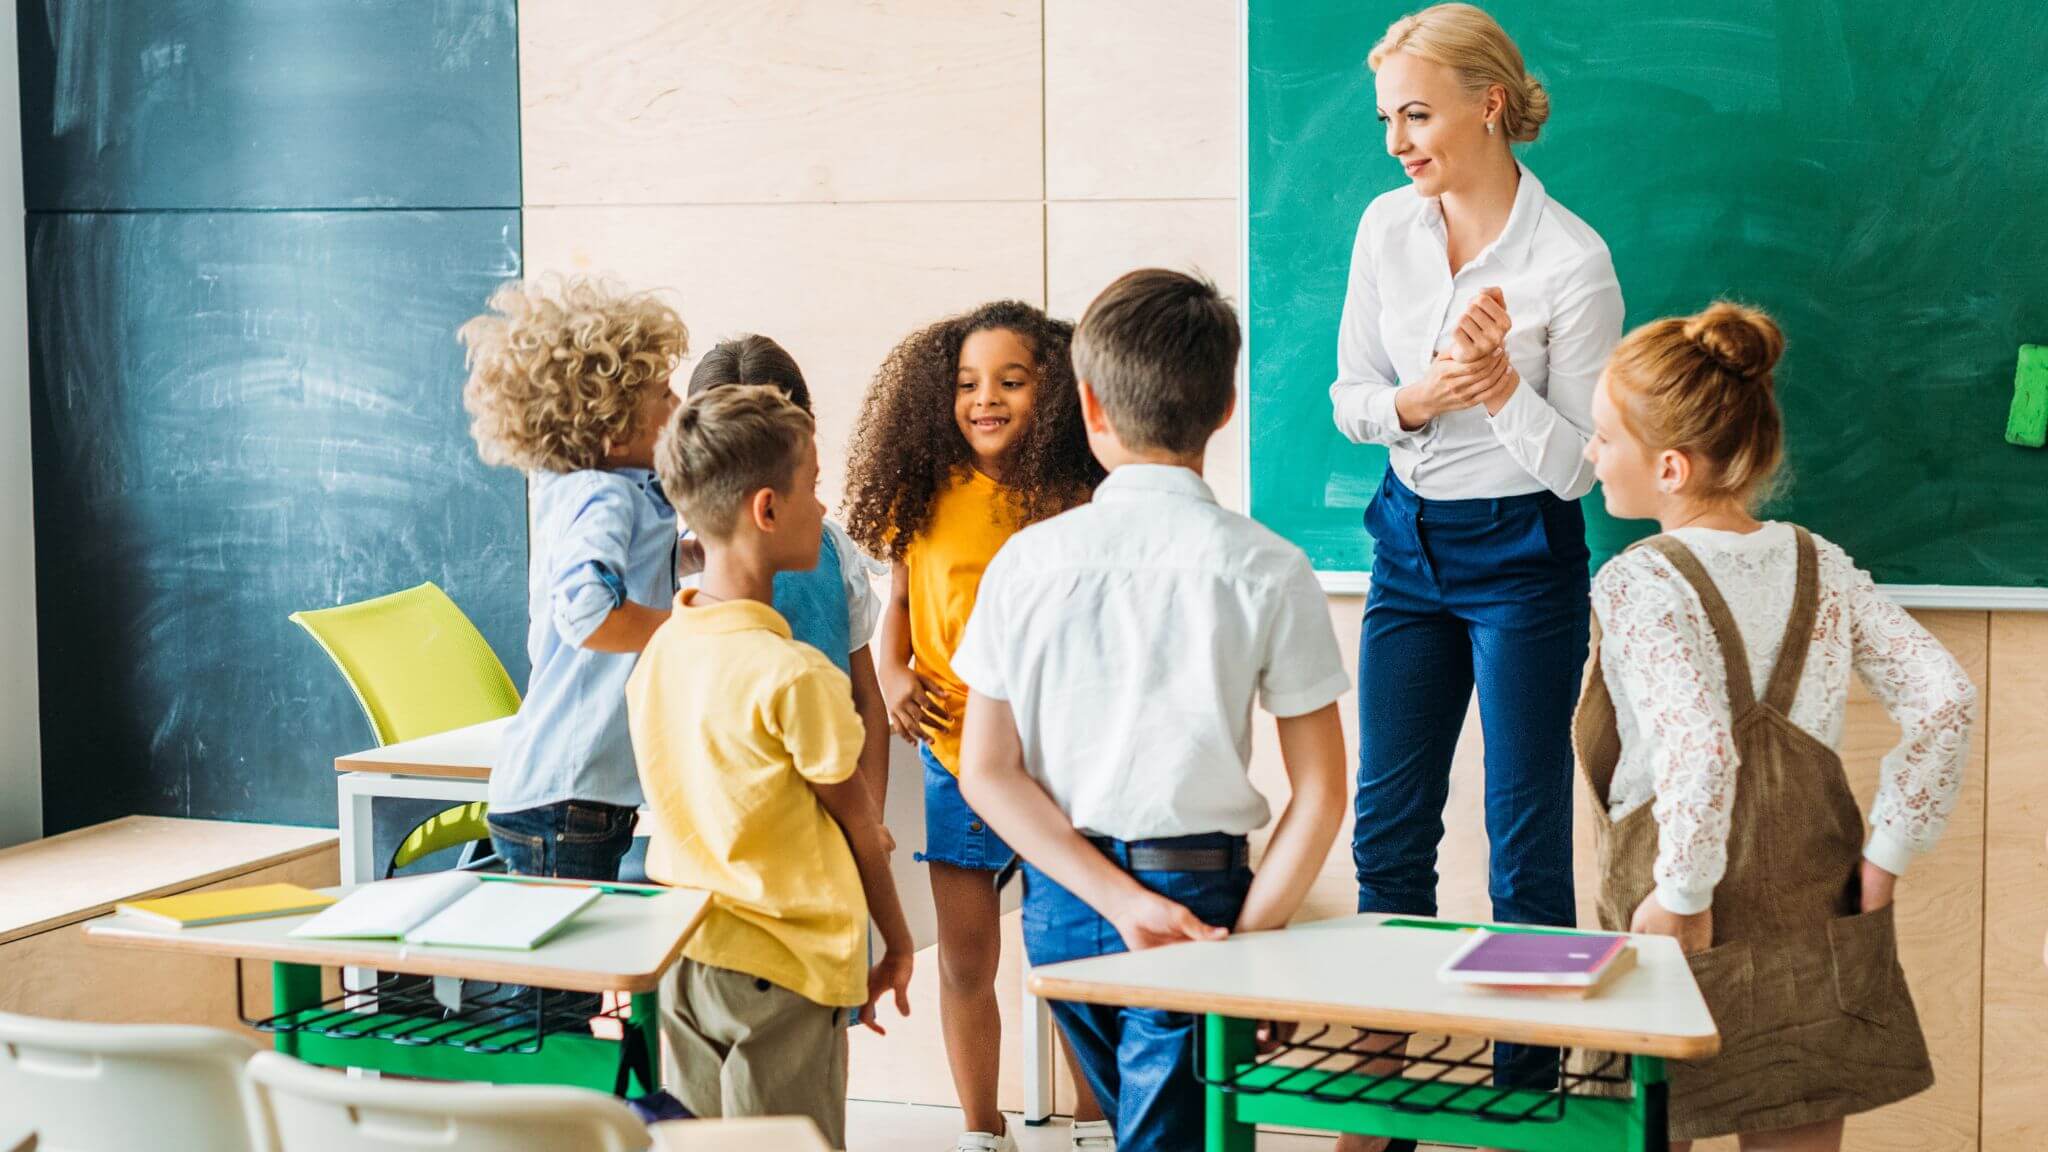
x: 1815, y: 1019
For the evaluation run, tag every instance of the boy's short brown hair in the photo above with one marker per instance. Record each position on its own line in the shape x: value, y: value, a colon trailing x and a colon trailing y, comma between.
x: 1159, y: 348
x: 724, y: 445
x: 558, y: 370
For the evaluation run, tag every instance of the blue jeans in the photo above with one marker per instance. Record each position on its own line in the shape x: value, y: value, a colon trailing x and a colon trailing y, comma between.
x: 574, y: 840
x: 1492, y: 594
x: 1140, y: 1062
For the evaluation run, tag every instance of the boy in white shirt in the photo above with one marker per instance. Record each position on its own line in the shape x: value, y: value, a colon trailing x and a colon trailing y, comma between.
x: 1112, y: 659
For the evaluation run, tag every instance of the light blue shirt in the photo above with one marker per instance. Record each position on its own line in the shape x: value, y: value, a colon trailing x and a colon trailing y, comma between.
x: 600, y: 538
x: 832, y: 607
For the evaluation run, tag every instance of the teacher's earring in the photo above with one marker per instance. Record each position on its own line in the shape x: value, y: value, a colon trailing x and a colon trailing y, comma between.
x: 1489, y: 127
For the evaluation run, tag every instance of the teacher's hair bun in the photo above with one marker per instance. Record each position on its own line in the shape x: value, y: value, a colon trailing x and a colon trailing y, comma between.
x: 1741, y: 339
x: 1526, y: 117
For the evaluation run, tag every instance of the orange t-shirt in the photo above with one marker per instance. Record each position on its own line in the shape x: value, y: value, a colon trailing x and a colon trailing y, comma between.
x: 970, y: 520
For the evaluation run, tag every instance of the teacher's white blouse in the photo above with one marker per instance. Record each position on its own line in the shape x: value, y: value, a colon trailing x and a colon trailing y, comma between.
x: 1403, y: 306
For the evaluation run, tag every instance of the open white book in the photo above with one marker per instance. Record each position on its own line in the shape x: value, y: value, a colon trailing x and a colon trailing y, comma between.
x: 453, y: 909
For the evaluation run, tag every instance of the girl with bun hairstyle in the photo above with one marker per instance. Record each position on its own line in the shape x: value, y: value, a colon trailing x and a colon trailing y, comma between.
x: 1478, y: 314
x: 1710, y: 728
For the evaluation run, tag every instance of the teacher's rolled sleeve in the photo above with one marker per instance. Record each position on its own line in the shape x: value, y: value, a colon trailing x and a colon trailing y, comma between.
x: 1547, y: 435
x: 1362, y: 398
x: 1303, y: 671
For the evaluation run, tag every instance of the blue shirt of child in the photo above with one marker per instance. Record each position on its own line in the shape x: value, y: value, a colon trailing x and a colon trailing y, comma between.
x: 600, y: 538
x: 833, y: 606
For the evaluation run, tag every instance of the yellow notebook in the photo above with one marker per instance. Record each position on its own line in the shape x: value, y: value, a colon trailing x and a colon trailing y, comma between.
x: 195, y: 909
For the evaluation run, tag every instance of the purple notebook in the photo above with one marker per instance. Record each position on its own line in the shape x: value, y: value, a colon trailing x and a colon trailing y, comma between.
x: 1533, y: 958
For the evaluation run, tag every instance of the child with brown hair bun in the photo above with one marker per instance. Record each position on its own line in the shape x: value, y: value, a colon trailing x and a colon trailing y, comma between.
x: 748, y: 747
x: 1710, y: 731
x: 971, y: 431
x: 831, y: 606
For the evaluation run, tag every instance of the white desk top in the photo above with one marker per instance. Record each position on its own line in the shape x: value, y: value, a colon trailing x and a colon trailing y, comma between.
x: 459, y: 752
x: 468, y: 753
x: 780, y: 1133
x: 619, y: 943
x: 1354, y: 971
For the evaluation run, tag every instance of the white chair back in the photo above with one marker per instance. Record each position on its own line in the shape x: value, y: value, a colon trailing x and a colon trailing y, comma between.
x: 315, y: 1110
x: 121, y: 1087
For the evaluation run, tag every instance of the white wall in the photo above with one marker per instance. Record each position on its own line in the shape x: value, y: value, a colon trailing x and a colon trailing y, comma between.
x: 21, y: 761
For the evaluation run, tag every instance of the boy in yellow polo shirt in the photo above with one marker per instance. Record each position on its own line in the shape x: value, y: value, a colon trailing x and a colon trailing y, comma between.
x: 747, y: 743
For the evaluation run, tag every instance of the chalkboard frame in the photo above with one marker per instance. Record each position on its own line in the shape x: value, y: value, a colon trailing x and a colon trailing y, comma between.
x: 1354, y: 582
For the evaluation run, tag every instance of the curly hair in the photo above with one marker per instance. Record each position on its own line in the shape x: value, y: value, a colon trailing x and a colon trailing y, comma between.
x: 558, y: 370
x: 906, y: 448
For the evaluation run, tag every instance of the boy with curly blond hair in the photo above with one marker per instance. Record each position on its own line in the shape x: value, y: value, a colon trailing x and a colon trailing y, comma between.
x: 569, y: 382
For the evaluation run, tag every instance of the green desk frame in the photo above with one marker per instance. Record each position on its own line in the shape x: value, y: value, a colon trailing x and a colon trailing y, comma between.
x: 1587, y: 1124
x: 577, y: 1060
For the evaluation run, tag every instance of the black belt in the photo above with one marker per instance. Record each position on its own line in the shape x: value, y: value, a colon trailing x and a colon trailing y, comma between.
x: 1144, y: 857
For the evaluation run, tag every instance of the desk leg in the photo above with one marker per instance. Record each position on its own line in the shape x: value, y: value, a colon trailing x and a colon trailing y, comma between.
x: 293, y: 987
x: 358, y: 860
x: 1226, y: 1043
x: 643, y: 1027
x: 1039, y: 1069
x: 1650, y: 1120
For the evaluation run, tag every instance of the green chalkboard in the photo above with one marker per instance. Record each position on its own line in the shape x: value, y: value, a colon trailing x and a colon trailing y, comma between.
x: 1872, y: 173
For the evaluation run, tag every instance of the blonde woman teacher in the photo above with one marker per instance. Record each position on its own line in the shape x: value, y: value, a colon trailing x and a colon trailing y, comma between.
x: 1478, y: 316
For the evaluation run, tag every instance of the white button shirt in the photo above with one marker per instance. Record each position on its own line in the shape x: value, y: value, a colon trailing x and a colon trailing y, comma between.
x: 1403, y: 306
x: 1130, y: 637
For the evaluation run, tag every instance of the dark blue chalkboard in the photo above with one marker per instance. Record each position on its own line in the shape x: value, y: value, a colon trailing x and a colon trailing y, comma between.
x: 236, y: 415
x: 209, y: 104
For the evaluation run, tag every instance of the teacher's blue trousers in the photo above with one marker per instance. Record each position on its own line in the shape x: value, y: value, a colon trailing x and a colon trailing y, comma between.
x: 1492, y: 594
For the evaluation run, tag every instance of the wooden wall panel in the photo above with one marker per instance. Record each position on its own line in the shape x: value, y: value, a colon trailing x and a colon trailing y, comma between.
x: 2016, y: 885
x: 1090, y: 243
x: 660, y: 102
x: 838, y: 285
x: 1141, y: 99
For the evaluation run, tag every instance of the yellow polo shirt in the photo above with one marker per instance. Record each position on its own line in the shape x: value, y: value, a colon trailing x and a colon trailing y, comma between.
x: 732, y: 721
x: 970, y: 521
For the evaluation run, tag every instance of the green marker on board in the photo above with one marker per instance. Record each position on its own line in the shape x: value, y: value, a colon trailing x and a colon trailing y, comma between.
x: 2028, y: 424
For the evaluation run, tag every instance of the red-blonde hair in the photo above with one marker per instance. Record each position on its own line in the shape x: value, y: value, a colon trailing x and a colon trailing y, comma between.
x: 1701, y: 385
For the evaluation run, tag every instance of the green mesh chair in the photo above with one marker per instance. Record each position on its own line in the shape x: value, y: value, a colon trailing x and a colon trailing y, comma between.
x: 418, y: 666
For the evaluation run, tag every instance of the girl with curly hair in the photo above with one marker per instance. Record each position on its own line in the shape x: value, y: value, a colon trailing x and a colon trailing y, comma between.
x: 971, y: 431
x: 569, y: 382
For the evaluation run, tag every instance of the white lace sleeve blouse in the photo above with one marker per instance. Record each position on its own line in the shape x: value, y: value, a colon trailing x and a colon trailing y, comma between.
x: 1663, y: 668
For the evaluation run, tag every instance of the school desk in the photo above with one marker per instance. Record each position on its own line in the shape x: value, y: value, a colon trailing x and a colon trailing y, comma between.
x: 1379, y: 973
x: 779, y: 1133
x: 412, y: 1027
x: 455, y: 767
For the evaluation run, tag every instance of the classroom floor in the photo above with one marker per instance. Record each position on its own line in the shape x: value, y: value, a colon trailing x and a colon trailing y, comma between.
x: 873, y: 1127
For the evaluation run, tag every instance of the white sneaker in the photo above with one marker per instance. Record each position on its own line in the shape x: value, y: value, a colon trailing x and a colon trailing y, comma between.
x: 983, y: 1142
x: 1092, y: 1136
